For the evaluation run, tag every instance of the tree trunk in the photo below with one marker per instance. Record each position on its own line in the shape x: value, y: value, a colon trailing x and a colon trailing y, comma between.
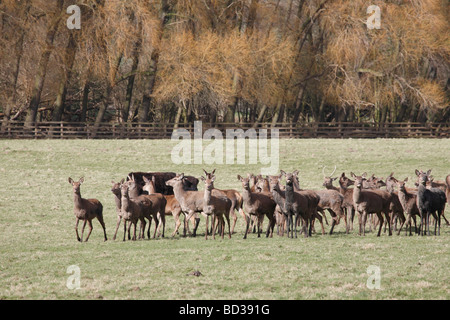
x: 146, y: 99
x: 43, y: 63
x: 60, y: 101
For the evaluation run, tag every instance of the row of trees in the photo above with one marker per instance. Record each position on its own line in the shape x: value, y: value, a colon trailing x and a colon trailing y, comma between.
x: 224, y: 60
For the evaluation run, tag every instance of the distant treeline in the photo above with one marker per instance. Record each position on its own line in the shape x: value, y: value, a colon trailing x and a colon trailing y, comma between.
x: 248, y: 61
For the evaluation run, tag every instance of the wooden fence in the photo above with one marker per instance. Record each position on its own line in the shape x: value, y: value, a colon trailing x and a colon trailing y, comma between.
x: 75, y: 130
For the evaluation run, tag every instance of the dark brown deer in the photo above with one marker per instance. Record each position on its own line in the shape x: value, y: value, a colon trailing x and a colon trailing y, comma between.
x: 396, y: 207
x: 407, y: 198
x: 370, y: 201
x: 217, y: 206
x: 429, y: 201
x: 133, y: 211
x: 86, y: 210
x: 447, y: 190
x: 257, y: 204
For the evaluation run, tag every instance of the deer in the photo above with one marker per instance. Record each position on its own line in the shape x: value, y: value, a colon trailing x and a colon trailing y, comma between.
x: 257, y: 204
x: 86, y: 210
x: 191, y: 202
x: 115, y: 189
x: 328, y: 180
x: 172, y: 207
x: 347, y: 204
x: 407, y: 198
x: 157, y: 204
x: 447, y: 190
x: 233, y: 195
x: 429, y: 201
x: 396, y: 207
x: 133, y: 210
x: 217, y: 206
x: 370, y: 201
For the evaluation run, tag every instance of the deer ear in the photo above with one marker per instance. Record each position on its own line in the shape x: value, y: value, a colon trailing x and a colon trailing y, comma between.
x: 202, y: 178
x: 417, y: 172
x: 81, y: 180
x: 351, y: 174
x: 295, y: 172
x: 282, y: 173
x: 239, y: 177
x: 153, y: 179
x: 213, y: 178
x: 406, y: 179
x: 364, y: 174
x: 145, y: 179
x: 213, y: 171
x: 332, y: 179
x: 428, y: 172
x: 70, y: 180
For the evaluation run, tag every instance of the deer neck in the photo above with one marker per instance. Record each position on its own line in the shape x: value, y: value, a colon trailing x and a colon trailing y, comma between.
x: 125, y: 202
x: 278, y: 196
x: 357, y: 194
x: 77, y: 199
x: 289, y: 193
x: 179, y: 192
x: 118, y: 201
x: 246, y: 195
x: 207, y: 196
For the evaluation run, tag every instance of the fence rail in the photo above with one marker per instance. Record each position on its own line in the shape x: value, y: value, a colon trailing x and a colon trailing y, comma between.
x: 76, y: 130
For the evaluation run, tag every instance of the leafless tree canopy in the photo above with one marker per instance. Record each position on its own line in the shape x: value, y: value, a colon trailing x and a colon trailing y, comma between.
x: 224, y: 61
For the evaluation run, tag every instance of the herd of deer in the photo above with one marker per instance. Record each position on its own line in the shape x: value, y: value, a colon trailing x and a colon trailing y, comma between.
x: 153, y: 196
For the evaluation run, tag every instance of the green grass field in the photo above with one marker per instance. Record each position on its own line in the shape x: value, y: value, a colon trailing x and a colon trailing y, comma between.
x: 38, y: 242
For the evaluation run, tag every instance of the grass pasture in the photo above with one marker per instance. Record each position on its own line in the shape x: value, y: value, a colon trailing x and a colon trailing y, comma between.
x: 38, y: 242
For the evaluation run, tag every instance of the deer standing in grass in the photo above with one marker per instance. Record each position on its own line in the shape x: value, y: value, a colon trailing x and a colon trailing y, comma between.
x: 133, y: 211
x: 370, y: 201
x: 191, y: 202
x: 257, y: 204
x: 407, y: 198
x: 86, y: 210
x: 115, y: 189
x: 233, y: 195
x: 217, y: 206
x: 157, y: 204
x: 429, y: 201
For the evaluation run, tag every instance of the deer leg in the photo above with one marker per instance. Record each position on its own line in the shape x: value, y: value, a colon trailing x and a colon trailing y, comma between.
x: 124, y: 229
x: 90, y: 229
x: 142, y: 231
x: 388, y: 222
x: 102, y: 223
x: 82, y: 229
x: 380, y: 217
x: 247, y: 220
x: 119, y: 218
x: 76, y: 229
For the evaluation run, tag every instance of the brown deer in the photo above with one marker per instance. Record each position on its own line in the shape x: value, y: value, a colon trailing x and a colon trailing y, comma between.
x: 313, y: 201
x: 191, y: 202
x: 233, y: 195
x: 407, y: 198
x: 172, y: 208
x: 217, y: 206
x: 157, y: 204
x: 370, y: 201
x: 396, y: 208
x: 133, y: 211
x: 328, y: 180
x: 447, y: 190
x: 115, y: 189
x: 347, y: 204
x: 257, y: 204
x: 86, y: 210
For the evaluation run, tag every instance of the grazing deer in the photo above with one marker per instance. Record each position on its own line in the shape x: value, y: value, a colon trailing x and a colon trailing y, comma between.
x: 429, y: 201
x: 133, y: 211
x: 217, y: 206
x: 407, y: 198
x: 191, y: 202
x: 86, y: 210
x: 370, y: 201
x: 257, y: 204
